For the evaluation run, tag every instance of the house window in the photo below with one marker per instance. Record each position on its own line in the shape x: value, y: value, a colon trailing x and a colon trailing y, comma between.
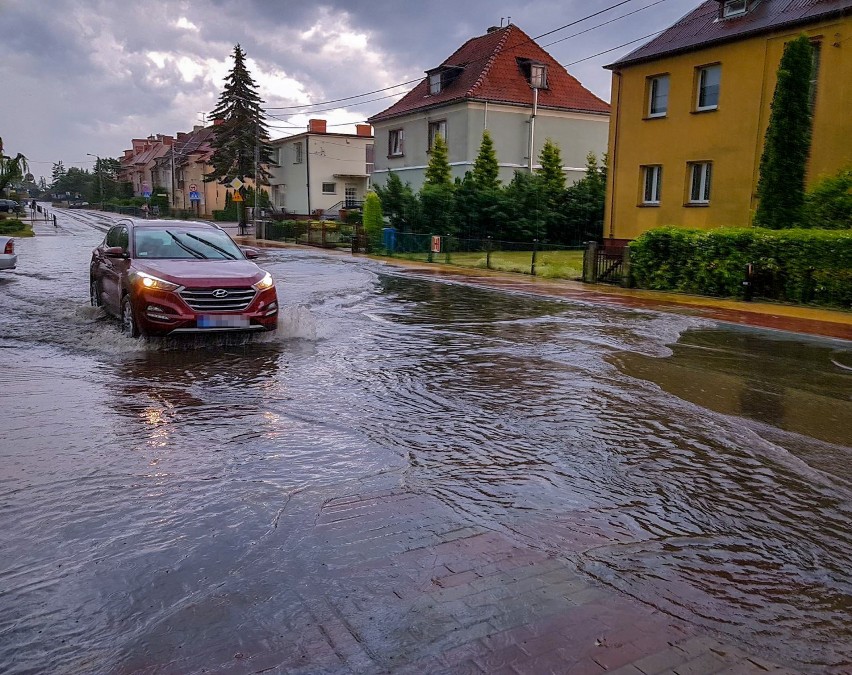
x: 538, y: 76
x: 437, y: 129
x: 653, y: 182
x: 395, y: 143
x: 815, y: 60
x: 699, y: 182
x: 329, y: 188
x: 734, y: 7
x: 442, y: 78
x: 658, y: 96
x: 709, y: 79
x: 297, y: 149
x: 371, y: 158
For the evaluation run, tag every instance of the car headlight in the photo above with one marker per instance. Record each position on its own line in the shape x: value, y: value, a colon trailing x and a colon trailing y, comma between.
x: 149, y: 281
x: 264, y: 283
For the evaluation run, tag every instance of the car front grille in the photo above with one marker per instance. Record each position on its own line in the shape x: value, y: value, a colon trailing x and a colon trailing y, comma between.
x: 205, y: 300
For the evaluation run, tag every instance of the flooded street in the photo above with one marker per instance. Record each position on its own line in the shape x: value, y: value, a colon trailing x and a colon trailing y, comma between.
x: 160, y: 500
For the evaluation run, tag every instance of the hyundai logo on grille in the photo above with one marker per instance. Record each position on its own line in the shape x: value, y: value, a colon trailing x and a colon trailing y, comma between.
x: 220, y: 293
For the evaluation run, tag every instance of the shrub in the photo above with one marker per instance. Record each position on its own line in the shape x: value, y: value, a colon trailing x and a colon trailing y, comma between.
x: 792, y: 265
x: 16, y: 227
x: 828, y: 204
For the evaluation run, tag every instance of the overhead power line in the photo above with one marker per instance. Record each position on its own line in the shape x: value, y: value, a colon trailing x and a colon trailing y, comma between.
x: 296, y: 108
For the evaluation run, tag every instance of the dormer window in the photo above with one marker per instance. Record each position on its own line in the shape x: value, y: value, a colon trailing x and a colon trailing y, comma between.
x: 734, y: 8
x: 443, y: 77
x: 534, y: 72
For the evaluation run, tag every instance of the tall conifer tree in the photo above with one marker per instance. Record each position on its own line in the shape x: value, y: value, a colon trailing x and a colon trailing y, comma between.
x: 240, y: 128
x: 781, y: 185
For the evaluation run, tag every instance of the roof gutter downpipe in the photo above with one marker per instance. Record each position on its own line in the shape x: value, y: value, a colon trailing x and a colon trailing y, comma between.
x: 532, y: 127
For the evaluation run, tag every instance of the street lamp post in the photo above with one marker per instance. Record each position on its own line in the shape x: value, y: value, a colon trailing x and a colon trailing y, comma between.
x: 100, y: 177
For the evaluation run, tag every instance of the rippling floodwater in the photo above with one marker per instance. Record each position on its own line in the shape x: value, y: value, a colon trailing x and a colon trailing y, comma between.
x: 700, y: 469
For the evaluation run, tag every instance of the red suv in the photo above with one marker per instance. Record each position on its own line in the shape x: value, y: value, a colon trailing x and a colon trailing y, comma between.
x: 165, y: 277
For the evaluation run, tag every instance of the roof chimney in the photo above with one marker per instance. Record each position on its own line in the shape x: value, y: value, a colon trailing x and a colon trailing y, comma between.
x: 218, y: 121
x: 363, y: 130
x: 316, y: 126
x: 491, y: 29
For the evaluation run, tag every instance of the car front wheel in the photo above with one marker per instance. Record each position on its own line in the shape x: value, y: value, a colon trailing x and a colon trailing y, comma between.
x: 94, y: 293
x: 128, y: 318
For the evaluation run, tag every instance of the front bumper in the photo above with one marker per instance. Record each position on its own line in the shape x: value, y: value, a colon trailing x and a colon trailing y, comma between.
x: 165, y: 313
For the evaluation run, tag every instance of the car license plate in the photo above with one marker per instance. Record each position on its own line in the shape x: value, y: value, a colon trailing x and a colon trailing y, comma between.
x: 222, y: 321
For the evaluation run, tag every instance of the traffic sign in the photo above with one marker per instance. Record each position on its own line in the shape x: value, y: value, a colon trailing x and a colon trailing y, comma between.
x: 237, y: 183
x: 436, y: 244
x: 237, y: 197
x: 194, y: 196
x: 193, y: 187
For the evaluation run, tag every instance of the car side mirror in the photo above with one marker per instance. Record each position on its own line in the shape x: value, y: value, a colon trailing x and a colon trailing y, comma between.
x: 115, y: 252
x: 250, y: 253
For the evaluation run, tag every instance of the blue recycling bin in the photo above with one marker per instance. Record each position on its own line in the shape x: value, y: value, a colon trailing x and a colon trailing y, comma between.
x: 389, y: 239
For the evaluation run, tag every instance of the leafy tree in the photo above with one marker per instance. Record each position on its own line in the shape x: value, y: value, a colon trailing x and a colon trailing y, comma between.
x: 373, y: 220
x: 438, y: 171
x: 12, y: 169
x: 486, y: 170
x: 398, y: 202
x: 57, y: 173
x: 583, y: 209
x: 828, y: 204
x: 781, y: 185
x: 241, y: 131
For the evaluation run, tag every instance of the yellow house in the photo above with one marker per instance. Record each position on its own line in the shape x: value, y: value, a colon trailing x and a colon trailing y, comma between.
x: 691, y: 107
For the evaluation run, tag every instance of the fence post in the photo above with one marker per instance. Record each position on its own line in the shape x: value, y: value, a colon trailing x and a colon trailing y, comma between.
x: 447, y: 249
x: 590, y: 256
x: 488, y: 254
x: 625, y: 268
x: 535, y: 250
x: 430, y: 258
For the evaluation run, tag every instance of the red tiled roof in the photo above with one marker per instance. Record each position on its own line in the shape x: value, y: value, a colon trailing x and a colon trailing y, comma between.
x: 703, y: 27
x: 491, y: 73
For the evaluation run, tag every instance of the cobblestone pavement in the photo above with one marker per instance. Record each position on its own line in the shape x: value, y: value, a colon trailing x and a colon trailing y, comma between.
x: 408, y: 589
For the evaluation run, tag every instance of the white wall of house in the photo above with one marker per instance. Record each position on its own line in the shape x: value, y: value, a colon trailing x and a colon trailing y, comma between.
x: 577, y: 134
x: 317, y: 176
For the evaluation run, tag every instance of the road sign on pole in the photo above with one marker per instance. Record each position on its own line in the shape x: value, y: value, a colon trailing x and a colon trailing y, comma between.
x: 237, y: 197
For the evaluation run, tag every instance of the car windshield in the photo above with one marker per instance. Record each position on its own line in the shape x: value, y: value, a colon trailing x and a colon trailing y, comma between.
x: 173, y: 242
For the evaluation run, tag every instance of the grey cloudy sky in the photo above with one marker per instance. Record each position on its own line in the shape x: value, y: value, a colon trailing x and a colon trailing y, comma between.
x: 86, y: 76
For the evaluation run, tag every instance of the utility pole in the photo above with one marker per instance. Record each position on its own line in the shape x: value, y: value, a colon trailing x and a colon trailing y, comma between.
x: 256, y: 171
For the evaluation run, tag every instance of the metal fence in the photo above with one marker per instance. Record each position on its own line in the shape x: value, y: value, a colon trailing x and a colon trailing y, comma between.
x: 529, y: 257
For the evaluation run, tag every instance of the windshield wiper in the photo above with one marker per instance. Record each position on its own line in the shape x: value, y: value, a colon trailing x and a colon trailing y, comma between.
x: 221, y: 250
x: 188, y: 249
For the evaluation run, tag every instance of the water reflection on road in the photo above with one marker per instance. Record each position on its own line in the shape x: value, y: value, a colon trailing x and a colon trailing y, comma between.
x: 699, y: 469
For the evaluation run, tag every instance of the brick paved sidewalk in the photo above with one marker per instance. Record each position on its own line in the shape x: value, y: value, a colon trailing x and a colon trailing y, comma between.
x: 406, y: 588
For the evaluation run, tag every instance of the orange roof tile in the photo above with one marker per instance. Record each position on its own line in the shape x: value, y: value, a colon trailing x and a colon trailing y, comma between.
x: 491, y: 72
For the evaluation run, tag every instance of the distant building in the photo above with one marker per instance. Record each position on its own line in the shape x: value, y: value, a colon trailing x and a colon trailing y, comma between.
x: 691, y: 109
x: 318, y: 172
x: 501, y: 81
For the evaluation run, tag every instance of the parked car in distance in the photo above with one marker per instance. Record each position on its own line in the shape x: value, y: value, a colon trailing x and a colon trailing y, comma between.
x: 167, y: 277
x: 8, y: 257
x: 8, y: 205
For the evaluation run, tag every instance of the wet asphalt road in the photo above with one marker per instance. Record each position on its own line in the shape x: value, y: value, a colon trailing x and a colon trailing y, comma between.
x: 160, y: 499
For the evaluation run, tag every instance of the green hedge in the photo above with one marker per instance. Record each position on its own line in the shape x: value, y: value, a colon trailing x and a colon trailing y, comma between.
x: 16, y: 227
x: 804, y: 266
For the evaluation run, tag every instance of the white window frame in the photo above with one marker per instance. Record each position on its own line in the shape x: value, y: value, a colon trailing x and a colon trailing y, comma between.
x: 652, y: 183
x: 435, y: 128
x: 538, y: 75
x: 435, y: 83
x: 297, y: 149
x: 653, y: 87
x: 332, y: 191
x: 700, y: 182
x: 701, y: 81
x: 734, y: 8
x: 396, y: 143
